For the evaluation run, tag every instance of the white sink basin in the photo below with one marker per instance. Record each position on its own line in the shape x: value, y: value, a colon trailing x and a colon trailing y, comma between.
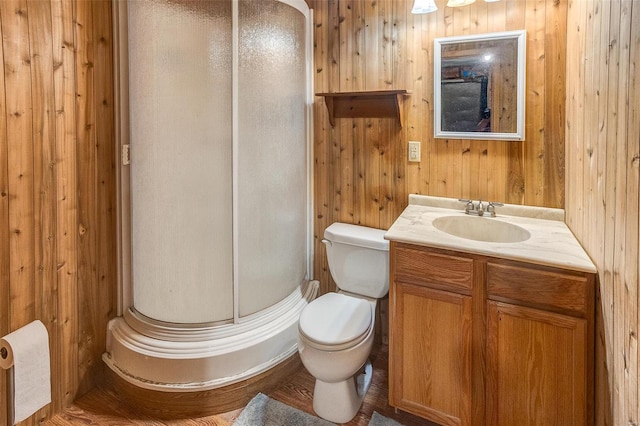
x: 481, y: 229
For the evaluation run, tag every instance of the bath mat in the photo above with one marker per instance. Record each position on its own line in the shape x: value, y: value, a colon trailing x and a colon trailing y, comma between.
x: 264, y: 411
x: 378, y: 419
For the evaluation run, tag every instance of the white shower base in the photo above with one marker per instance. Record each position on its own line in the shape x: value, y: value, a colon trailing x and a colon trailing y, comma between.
x: 187, y: 358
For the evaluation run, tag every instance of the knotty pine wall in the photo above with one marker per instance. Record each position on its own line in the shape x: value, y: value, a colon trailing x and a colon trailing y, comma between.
x: 57, y: 184
x: 57, y: 180
x: 603, y: 184
x: 361, y: 171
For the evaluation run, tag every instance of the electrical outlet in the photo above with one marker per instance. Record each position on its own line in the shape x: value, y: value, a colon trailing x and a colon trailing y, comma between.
x: 414, y: 151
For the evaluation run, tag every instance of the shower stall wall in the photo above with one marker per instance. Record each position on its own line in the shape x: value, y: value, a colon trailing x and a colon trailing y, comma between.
x: 215, y: 215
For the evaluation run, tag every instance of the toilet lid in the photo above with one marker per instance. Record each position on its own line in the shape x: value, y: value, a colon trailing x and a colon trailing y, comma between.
x: 335, y: 319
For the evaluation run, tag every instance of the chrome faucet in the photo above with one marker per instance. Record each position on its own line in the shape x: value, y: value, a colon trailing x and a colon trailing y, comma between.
x: 479, y: 209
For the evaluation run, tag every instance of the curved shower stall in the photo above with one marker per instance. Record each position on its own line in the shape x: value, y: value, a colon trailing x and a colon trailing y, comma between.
x: 215, y: 189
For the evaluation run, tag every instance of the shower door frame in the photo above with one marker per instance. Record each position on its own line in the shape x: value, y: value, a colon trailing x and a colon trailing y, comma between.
x: 188, y: 357
x: 123, y: 174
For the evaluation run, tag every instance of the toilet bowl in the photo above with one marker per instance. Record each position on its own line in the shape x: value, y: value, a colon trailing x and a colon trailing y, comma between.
x: 335, y: 331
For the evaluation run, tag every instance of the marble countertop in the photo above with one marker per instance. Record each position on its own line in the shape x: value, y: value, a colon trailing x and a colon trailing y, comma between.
x: 551, y: 243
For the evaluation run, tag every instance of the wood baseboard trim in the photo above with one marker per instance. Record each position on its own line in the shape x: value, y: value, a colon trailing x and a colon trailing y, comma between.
x: 178, y: 405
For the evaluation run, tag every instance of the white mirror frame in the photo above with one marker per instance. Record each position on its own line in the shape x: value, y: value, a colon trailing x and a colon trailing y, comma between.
x: 439, y: 43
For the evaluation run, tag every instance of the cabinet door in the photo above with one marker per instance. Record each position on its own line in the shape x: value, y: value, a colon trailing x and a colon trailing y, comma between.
x: 536, y: 367
x: 430, y: 353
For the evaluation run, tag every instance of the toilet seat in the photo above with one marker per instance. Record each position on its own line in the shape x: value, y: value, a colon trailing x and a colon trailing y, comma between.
x: 335, y: 321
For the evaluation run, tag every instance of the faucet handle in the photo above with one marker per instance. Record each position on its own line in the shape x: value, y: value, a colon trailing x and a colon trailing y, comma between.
x: 469, y: 205
x: 491, y: 208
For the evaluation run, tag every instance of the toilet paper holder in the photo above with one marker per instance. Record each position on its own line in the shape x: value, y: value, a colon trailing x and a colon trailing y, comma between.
x: 4, y: 353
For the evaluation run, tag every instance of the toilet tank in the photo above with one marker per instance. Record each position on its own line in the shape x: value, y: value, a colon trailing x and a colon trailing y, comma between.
x: 358, y: 259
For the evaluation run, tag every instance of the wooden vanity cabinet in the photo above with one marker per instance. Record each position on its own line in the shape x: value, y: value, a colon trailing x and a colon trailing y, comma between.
x: 540, y: 345
x: 482, y: 341
x: 430, y: 342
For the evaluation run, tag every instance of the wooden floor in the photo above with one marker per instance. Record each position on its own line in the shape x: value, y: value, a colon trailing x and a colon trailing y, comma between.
x: 104, y: 407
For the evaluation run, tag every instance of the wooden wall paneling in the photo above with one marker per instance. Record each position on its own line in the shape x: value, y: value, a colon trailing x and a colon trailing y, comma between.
x: 486, y: 174
x: 65, y: 378
x: 535, y: 98
x: 555, y: 97
x: 466, y: 156
x: 20, y: 151
x: 39, y: 178
x: 576, y: 96
x: 332, y: 33
x: 358, y: 171
x: 106, y: 274
x: 334, y: 81
x: 516, y: 186
x: 632, y: 318
x: 477, y: 160
x: 572, y: 126
x: 356, y: 79
x: 602, y: 200
x: 388, y: 129
x: 22, y: 294
x: 396, y: 172
x: 5, y: 303
x: 603, y: 126
x: 452, y: 150
x: 87, y: 190
x: 438, y: 169
x: 431, y: 27
x: 43, y: 111
x: 605, y: 301
x: 344, y: 165
x: 322, y: 141
x: 591, y: 91
x: 497, y: 151
x: 635, y: 210
x: 414, y: 77
x: 394, y: 195
x: 593, y: 151
x: 369, y: 172
x: 424, y: 183
x: 616, y: 287
x: 619, y: 284
x: 460, y: 172
x: 389, y: 138
x: 606, y: 161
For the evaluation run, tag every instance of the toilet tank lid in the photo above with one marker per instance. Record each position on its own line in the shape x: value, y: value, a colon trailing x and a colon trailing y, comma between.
x: 356, y: 235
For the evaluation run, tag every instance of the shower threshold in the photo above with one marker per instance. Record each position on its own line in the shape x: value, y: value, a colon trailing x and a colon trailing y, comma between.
x: 186, y: 358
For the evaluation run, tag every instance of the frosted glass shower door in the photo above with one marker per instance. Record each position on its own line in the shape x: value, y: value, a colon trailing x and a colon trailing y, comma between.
x: 181, y: 148
x: 219, y: 100
x: 272, y: 175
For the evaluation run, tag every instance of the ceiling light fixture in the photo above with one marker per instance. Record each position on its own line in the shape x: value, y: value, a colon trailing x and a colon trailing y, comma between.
x: 424, y: 6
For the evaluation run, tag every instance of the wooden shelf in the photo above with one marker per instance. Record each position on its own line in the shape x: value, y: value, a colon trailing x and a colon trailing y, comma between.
x: 375, y: 104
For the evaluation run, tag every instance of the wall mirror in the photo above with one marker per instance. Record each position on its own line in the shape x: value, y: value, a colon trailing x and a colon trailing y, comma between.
x: 479, y: 86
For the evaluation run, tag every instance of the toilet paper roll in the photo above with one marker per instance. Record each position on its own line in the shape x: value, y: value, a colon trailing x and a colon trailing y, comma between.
x: 27, y: 351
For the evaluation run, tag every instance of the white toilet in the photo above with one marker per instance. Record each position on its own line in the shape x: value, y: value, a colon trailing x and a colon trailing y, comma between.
x: 335, y: 331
